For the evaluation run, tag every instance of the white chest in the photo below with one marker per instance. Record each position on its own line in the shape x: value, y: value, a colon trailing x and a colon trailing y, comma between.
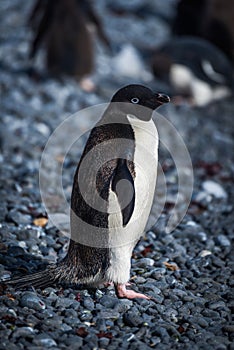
x: 146, y: 162
x: 123, y: 239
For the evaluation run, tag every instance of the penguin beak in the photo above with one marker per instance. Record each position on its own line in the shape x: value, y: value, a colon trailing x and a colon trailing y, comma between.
x: 162, y: 98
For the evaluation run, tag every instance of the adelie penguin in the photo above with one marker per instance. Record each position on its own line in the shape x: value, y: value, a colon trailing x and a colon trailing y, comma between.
x: 112, y: 196
x: 194, y: 68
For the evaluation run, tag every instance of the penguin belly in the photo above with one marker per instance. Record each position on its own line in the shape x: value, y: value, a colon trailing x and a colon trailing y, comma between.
x: 122, y: 239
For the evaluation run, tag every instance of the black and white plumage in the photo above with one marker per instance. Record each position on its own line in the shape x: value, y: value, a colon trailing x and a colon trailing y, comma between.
x: 112, y: 195
x: 194, y: 67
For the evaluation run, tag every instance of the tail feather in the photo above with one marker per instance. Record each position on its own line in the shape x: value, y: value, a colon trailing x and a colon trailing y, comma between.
x: 42, y: 279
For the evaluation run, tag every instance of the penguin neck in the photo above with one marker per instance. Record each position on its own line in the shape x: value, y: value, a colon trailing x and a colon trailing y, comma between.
x: 113, y: 114
x: 125, y: 113
x: 138, y: 123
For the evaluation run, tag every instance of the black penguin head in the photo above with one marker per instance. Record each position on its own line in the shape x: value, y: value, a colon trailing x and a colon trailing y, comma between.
x: 133, y: 98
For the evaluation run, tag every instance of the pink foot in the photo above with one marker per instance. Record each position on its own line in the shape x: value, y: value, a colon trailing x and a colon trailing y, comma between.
x: 122, y: 292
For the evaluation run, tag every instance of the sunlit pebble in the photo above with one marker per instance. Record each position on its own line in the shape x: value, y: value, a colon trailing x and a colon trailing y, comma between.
x: 132, y: 336
x: 214, y: 189
x: 46, y: 342
x: 5, y: 276
x: 204, y: 253
x: 99, y: 293
x: 34, y: 249
x: 18, y: 188
x: 23, y: 332
x: 203, y: 197
x: 202, y: 236
x: 151, y: 235
x: 43, y: 129
x: 22, y: 244
x: 12, y: 312
x: 191, y: 223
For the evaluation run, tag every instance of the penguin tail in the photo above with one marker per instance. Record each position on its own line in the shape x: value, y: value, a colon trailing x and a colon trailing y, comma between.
x: 41, y: 279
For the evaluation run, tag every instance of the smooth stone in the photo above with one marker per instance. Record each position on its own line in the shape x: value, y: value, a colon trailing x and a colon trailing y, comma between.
x: 131, y: 319
x: 31, y: 300
x: 23, y: 332
x: 44, y: 340
x: 223, y: 241
x: 108, y: 301
x: 64, y: 302
x: 214, y: 189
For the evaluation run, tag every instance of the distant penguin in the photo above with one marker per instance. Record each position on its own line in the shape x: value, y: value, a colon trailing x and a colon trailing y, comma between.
x: 112, y: 195
x: 194, y: 68
x: 62, y: 27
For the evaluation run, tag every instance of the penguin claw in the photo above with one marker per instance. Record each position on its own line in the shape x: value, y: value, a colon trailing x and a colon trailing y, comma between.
x: 122, y: 292
x: 107, y: 284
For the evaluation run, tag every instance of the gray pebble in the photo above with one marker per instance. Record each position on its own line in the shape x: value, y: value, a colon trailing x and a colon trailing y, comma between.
x: 64, y: 302
x: 32, y: 301
x: 131, y: 319
x: 18, y: 218
x: 214, y: 189
x: 3, y: 212
x: 92, y: 341
x: 23, y: 332
x: 74, y: 342
x: 151, y: 286
x: 88, y: 303
x: 123, y: 305
x: 112, y: 314
x: 44, y: 340
x: 108, y: 301
x: 228, y: 328
x: 86, y: 315
x: 144, y: 262
x: 217, y: 305
x: 223, y: 241
x: 103, y: 343
x: 202, y: 322
x: 72, y: 321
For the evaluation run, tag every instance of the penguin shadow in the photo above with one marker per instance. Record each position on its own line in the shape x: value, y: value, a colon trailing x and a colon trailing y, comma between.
x: 20, y: 263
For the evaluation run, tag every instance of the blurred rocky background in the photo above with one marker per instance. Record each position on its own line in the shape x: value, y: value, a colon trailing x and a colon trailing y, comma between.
x: 59, y: 57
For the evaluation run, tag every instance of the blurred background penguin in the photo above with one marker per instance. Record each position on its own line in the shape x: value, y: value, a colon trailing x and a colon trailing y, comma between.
x: 63, y: 28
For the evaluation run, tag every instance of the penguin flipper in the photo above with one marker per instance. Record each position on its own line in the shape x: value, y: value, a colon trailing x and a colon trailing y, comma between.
x: 124, y: 190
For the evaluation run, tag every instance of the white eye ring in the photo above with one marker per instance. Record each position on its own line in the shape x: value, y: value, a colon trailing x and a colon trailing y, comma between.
x: 135, y: 100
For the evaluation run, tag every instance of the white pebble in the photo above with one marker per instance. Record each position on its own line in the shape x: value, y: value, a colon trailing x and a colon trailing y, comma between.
x: 204, y: 253
x: 22, y: 244
x: 214, y: 188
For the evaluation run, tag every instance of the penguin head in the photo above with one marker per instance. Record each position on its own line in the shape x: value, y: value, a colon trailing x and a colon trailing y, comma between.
x: 134, y: 97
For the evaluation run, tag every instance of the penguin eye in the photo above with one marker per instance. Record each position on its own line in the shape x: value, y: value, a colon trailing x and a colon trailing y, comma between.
x: 135, y: 100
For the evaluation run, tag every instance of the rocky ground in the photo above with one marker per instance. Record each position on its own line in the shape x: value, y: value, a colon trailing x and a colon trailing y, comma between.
x: 187, y: 271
